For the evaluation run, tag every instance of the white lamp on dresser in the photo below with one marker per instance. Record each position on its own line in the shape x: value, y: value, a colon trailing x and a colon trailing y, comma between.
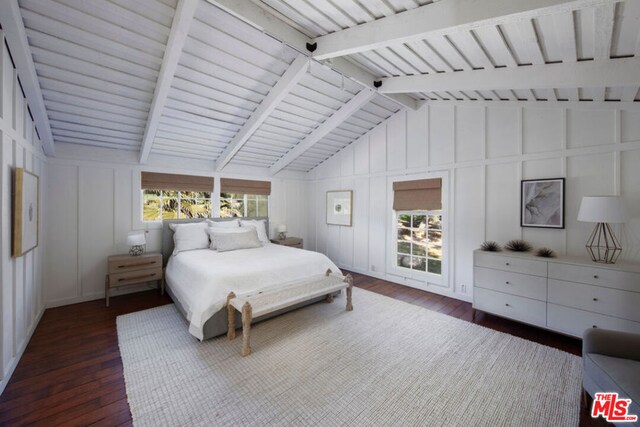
x: 603, y: 245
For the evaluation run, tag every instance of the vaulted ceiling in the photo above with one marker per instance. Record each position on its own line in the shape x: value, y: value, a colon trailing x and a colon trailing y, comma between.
x: 235, y: 81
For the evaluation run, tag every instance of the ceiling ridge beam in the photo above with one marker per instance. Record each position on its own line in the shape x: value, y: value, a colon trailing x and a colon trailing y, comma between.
x: 259, y: 18
x: 16, y: 37
x: 593, y: 74
x: 182, y: 19
x: 335, y: 120
x: 288, y: 81
x: 438, y: 18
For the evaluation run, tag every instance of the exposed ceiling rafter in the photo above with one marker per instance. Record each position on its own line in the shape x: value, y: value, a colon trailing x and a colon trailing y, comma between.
x: 281, y: 30
x: 437, y: 19
x: 177, y: 37
x: 16, y: 36
x: 584, y: 74
x: 288, y: 81
x: 336, y: 119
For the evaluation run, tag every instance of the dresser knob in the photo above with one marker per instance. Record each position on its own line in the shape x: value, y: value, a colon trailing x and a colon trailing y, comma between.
x: 507, y: 305
x: 595, y: 276
x: 506, y: 263
x: 595, y: 299
x: 595, y: 326
x: 506, y: 283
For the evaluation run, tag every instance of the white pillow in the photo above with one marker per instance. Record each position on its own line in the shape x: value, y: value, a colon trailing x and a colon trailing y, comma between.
x: 222, y: 230
x: 187, y: 237
x: 246, y: 239
x: 224, y: 224
x: 261, y: 227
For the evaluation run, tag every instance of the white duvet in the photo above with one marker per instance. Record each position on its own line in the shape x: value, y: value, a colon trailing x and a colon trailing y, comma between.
x: 201, y: 279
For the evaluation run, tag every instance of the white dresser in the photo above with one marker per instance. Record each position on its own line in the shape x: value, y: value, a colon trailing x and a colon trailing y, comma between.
x: 563, y: 294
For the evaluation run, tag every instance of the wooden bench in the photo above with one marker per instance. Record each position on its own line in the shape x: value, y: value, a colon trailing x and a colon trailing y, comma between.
x: 265, y: 302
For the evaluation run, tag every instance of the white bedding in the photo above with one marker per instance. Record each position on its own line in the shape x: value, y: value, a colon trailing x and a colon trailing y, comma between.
x: 201, y: 279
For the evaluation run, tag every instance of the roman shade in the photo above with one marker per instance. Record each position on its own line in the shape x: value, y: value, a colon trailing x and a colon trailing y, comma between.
x: 420, y: 194
x: 173, y: 182
x: 245, y: 186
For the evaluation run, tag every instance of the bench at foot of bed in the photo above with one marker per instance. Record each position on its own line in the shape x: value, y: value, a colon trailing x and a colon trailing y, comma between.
x: 262, y: 303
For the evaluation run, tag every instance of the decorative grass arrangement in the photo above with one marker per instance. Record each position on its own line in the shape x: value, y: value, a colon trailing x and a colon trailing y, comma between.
x: 490, y: 246
x: 545, y: 253
x: 518, y: 245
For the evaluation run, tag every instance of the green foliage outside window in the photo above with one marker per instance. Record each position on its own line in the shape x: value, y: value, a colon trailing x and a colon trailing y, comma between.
x: 419, y: 241
x: 243, y: 205
x: 162, y: 204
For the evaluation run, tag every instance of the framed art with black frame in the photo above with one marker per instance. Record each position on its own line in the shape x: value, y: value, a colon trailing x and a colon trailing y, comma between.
x: 542, y: 203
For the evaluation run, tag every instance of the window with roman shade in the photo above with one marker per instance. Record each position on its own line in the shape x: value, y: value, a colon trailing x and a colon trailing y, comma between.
x: 173, y: 196
x: 244, y: 198
x: 418, y: 226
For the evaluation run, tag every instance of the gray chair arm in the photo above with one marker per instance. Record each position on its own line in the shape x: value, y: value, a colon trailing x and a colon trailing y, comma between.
x: 624, y: 345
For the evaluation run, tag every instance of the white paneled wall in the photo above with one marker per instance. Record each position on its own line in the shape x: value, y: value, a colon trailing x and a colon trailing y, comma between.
x: 97, y: 203
x: 21, y: 296
x: 484, y: 150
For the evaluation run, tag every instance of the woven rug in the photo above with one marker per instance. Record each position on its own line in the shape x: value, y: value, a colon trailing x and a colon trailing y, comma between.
x: 385, y: 363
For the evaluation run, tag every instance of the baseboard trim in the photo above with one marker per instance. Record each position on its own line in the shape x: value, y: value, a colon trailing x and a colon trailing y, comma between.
x: 18, y: 356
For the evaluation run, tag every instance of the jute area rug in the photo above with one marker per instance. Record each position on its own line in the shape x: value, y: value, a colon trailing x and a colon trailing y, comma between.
x: 385, y: 363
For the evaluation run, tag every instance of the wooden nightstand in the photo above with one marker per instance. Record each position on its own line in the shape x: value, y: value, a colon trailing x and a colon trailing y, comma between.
x: 127, y: 270
x: 294, y: 242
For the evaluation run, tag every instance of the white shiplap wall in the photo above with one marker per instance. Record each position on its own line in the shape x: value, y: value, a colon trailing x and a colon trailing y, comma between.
x: 21, y: 296
x: 97, y: 202
x: 484, y: 151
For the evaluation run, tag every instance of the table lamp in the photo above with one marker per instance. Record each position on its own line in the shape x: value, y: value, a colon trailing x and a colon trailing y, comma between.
x: 282, y: 231
x: 603, y: 245
x: 137, y: 241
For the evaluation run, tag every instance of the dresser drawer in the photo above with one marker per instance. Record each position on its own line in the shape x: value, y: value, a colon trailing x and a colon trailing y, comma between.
x: 524, y: 285
x: 595, y: 276
x: 612, y: 302
x: 513, y: 264
x: 511, y: 306
x: 132, y: 277
x: 574, y: 322
x: 119, y: 264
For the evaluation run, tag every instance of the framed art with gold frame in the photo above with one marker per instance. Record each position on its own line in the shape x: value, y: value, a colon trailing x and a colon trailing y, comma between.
x: 26, y: 211
x: 339, y: 207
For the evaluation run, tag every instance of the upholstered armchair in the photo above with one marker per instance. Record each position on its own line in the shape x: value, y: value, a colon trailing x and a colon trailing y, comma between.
x: 611, y: 363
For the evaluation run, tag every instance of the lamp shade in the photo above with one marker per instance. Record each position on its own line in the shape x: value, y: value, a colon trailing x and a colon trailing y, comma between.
x: 609, y: 209
x: 136, y: 239
x: 281, y: 228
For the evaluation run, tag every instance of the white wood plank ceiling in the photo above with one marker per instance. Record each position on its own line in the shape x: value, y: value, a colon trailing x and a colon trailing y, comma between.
x: 186, y: 78
x: 569, y: 33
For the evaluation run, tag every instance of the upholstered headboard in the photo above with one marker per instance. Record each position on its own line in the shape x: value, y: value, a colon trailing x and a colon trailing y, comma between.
x: 167, y: 233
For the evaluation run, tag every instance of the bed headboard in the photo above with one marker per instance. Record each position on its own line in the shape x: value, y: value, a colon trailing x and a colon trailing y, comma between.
x: 167, y: 233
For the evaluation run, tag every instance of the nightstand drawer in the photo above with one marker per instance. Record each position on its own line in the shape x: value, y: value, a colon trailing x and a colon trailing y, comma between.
x: 120, y: 264
x: 132, y: 277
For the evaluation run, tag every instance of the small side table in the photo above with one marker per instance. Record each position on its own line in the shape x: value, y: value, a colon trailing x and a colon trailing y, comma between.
x: 293, y: 242
x: 127, y: 270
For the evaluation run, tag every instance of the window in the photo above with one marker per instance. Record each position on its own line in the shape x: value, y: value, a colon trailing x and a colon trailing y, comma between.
x: 419, y: 241
x: 167, y: 204
x: 248, y: 205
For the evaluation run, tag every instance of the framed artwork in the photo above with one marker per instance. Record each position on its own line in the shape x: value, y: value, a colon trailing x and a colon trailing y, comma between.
x: 26, y: 218
x: 339, y: 204
x: 542, y: 203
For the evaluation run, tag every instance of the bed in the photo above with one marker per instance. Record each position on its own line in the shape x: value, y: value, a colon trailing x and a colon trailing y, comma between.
x: 199, y: 281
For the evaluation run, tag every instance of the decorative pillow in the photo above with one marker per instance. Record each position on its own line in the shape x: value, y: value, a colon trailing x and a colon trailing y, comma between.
x: 222, y: 230
x: 246, y: 239
x: 260, y: 226
x: 187, y: 237
x: 223, y: 224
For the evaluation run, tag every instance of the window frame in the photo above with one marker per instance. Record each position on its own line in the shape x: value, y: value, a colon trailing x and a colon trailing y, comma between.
x: 415, y: 278
x: 179, y: 197
x: 245, y: 204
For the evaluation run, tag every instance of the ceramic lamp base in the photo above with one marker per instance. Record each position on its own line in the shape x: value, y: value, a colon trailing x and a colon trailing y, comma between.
x: 136, y: 250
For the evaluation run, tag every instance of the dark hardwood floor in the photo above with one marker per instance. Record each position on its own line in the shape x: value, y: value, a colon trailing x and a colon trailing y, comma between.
x: 71, y: 372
